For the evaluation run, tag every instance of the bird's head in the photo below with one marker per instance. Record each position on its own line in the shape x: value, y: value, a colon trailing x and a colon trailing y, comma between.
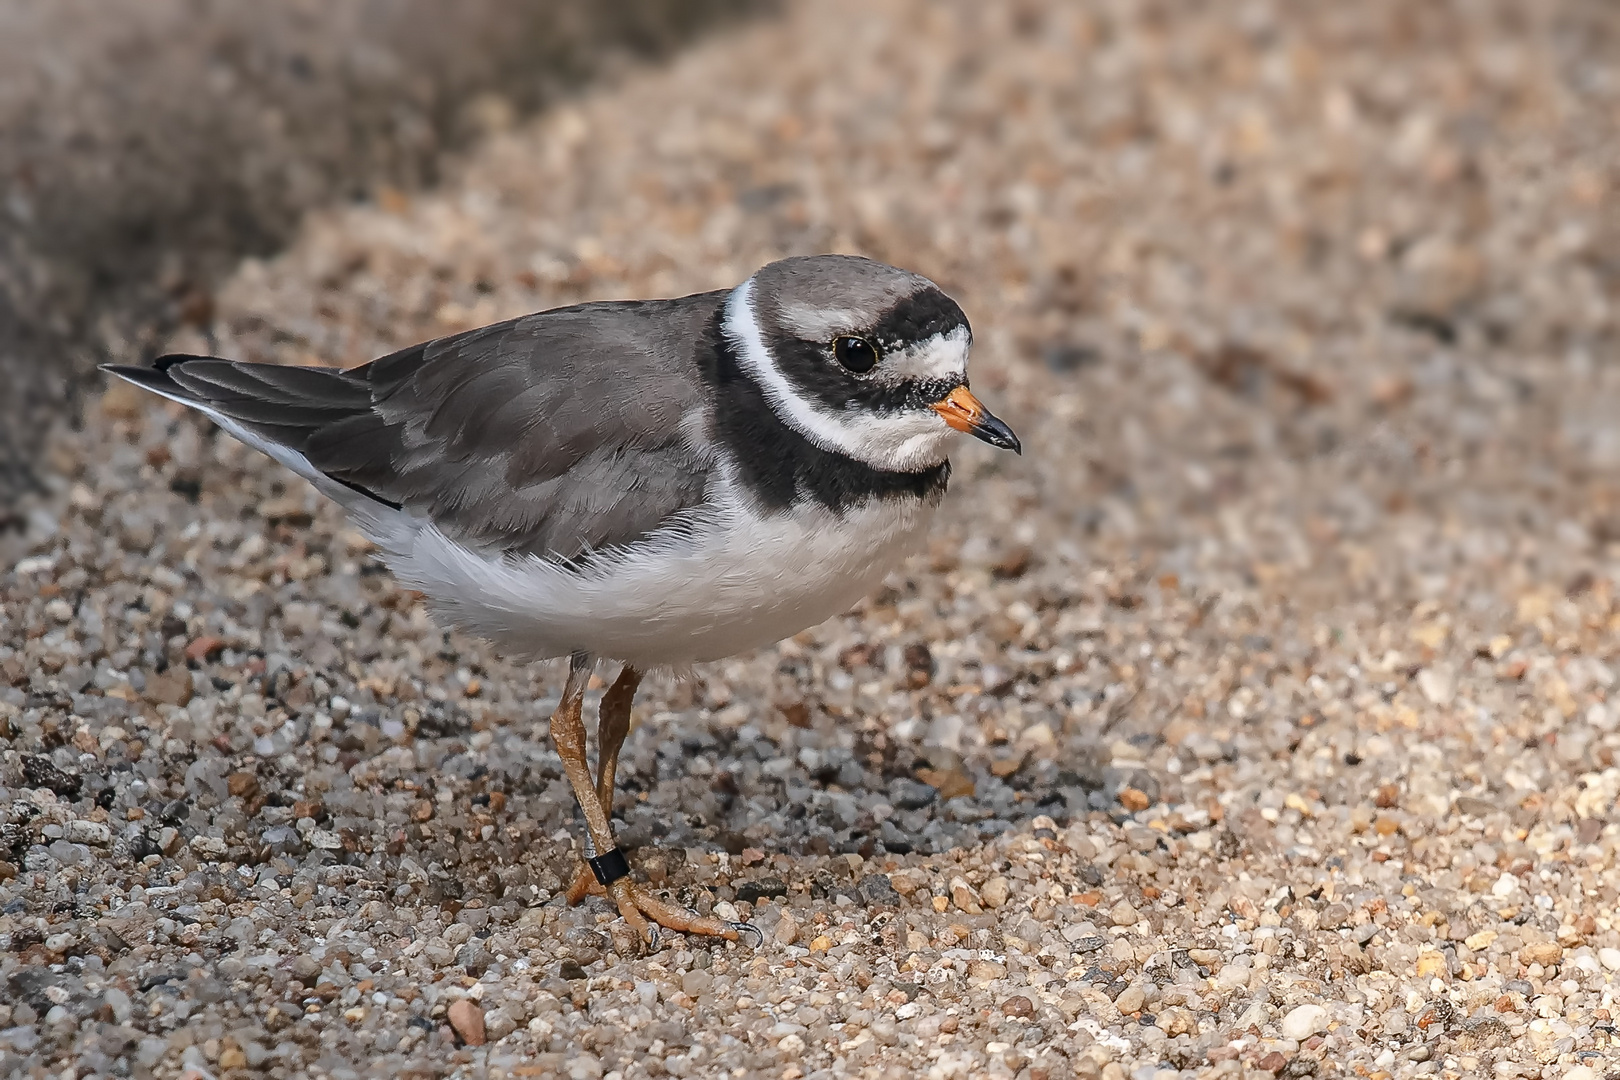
x: 860, y: 358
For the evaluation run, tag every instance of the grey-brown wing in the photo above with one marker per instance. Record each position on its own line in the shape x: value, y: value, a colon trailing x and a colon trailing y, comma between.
x: 552, y: 434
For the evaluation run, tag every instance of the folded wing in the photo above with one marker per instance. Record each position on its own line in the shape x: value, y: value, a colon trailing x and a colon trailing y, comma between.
x: 556, y: 434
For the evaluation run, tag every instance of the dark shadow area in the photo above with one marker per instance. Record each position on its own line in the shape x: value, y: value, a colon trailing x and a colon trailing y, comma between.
x: 145, y: 147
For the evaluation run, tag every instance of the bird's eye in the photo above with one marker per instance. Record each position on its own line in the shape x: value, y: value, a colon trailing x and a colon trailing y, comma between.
x: 856, y: 354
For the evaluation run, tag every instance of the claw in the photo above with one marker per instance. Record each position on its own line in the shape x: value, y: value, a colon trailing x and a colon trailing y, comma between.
x: 749, y: 928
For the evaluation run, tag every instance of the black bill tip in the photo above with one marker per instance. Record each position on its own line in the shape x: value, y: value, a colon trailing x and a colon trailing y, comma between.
x: 966, y: 413
x: 993, y: 430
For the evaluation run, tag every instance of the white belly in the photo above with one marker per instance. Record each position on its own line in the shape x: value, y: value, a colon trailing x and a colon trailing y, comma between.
x: 724, y: 582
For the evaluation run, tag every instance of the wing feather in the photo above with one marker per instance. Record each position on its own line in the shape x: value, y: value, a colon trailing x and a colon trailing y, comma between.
x: 555, y: 434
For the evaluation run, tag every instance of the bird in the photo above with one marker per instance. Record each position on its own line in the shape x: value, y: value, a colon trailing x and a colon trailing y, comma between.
x: 654, y: 482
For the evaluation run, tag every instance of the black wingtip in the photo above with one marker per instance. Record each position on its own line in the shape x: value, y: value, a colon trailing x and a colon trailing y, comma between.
x: 159, y: 366
x: 149, y: 378
x: 141, y: 376
x: 164, y: 363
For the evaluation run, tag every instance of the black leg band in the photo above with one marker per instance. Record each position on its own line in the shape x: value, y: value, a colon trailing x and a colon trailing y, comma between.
x: 609, y: 867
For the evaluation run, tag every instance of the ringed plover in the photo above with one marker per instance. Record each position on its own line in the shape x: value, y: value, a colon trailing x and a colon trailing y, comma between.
x: 658, y: 482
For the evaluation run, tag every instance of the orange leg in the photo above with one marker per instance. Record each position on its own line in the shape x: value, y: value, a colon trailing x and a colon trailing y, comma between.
x: 636, y: 903
x: 613, y: 724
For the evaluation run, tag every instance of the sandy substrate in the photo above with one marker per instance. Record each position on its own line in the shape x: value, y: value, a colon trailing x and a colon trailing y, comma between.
x: 1254, y: 722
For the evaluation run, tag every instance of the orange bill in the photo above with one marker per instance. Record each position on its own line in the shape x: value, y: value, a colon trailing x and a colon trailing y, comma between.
x: 964, y: 412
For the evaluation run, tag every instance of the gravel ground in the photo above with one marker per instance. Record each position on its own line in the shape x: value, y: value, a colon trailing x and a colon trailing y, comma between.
x: 1254, y: 722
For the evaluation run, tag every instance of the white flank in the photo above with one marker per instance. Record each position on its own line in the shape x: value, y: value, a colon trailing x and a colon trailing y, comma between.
x: 902, y: 442
x: 719, y: 581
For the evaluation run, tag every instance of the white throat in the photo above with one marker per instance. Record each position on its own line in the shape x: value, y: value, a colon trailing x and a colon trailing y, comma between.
x: 899, y: 442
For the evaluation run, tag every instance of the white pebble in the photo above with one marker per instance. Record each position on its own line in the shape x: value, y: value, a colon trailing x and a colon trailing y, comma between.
x: 82, y: 831
x: 1609, y: 958
x: 118, y: 1003
x: 1438, y: 685
x: 1303, y: 1022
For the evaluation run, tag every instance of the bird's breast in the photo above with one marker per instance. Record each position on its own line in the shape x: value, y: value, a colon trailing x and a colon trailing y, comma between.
x: 745, y: 578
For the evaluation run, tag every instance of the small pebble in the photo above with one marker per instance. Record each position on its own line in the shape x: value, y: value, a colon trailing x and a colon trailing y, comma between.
x: 1303, y: 1021
x: 468, y: 1021
x: 1018, y: 1006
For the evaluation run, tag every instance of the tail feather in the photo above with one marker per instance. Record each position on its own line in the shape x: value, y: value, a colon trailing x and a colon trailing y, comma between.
x: 274, y: 409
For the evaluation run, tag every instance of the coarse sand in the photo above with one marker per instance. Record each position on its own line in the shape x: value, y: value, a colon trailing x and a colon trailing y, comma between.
x: 1254, y: 722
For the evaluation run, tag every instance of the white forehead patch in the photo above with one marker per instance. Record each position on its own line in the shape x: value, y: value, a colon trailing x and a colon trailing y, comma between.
x: 898, y: 442
x: 941, y: 357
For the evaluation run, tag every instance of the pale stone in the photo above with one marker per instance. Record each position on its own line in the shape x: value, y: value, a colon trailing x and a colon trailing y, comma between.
x: 1303, y: 1022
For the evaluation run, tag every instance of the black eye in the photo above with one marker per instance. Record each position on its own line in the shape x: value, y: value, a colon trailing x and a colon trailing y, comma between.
x: 857, y: 354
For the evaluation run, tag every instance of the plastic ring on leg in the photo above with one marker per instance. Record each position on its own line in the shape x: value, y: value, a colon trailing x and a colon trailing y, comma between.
x: 608, y: 867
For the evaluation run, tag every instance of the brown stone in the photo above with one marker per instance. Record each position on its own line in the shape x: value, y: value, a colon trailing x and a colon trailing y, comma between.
x: 1014, y: 563
x: 1545, y: 954
x: 1134, y: 799
x: 986, y: 971
x: 919, y: 661
x: 1005, y: 767
x: 204, y: 648
x: 951, y: 783
x: 173, y: 687
x: 468, y: 1021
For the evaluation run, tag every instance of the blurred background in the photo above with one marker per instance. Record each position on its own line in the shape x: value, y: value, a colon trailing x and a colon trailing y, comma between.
x: 145, y: 147
x: 1297, y: 613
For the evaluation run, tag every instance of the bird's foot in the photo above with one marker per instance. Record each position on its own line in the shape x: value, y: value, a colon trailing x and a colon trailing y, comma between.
x: 583, y: 885
x: 645, y: 912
